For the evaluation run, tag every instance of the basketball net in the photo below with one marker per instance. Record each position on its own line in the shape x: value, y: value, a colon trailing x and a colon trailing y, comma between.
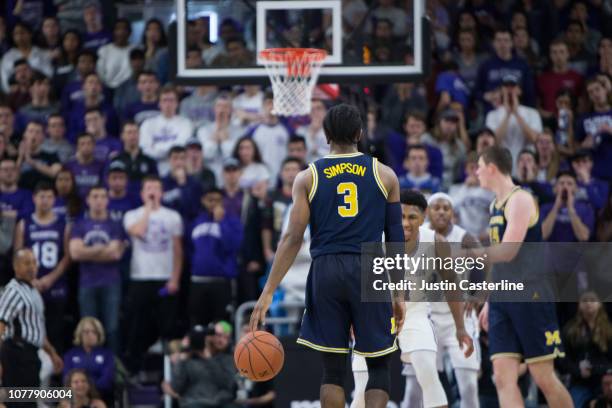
x: 293, y: 73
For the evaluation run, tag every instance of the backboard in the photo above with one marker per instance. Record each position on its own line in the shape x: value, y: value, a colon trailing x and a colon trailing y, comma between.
x: 217, y: 42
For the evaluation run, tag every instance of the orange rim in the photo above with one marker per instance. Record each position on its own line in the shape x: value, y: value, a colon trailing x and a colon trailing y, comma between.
x: 293, y: 54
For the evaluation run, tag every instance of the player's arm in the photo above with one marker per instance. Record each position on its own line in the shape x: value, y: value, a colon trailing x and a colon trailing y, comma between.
x: 520, y: 209
x: 394, y: 232
x: 453, y: 297
x: 288, y: 246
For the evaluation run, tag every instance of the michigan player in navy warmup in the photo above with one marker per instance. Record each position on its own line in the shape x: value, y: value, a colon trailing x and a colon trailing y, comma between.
x: 517, y: 330
x: 348, y: 198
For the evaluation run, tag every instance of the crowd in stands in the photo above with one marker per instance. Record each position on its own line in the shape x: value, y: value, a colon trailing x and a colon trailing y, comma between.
x: 153, y: 208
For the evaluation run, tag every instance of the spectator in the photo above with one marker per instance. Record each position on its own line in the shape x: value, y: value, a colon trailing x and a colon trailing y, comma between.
x: 313, y: 134
x: 386, y: 10
x: 38, y: 59
x: 276, y: 204
x: 296, y: 147
x: 84, y: 393
x: 587, y: 340
x: 503, y: 64
x: 7, y: 129
x: 233, y: 195
x: 207, y: 377
x: 272, y: 136
x: 90, y: 355
x: 159, y: 133
x: 416, y: 176
x: 148, y: 104
x: 199, y: 107
x: 157, y: 260
x: 155, y: 48
x: 450, y: 136
x: 96, y: 242
x: 567, y: 220
x: 196, y: 167
x: 605, y: 399
x: 13, y: 198
x: 21, y: 81
x: 40, y: 106
x: 68, y: 204
x: 73, y: 91
x: 137, y: 163
x: 516, y: 126
x: 106, y: 146
x: 127, y: 93
x: 8, y: 220
x: 559, y: 76
x: 120, y: 200
x: 236, y: 54
x: 594, y: 129
x: 219, y: 137
x: 402, y: 99
x: 35, y: 164
x: 114, y: 58
x: 580, y: 13
x: 248, y: 106
x: 471, y: 202
x: 415, y: 130
x: 526, y: 177
x: 564, y: 135
x: 467, y: 57
x: 65, y: 62
x: 450, y: 87
x: 87, y: 171
x: 605, y: 56
x: 215, y: 238
x: 526, y: 47
x: 548, y: 159
x: 590, y: 188
x: 95, y: 35
x: 575, y: 39
x: 374, y: 139
x: 181, y: 191
x: 253, y: 170
x: 55, y: 142
x: 93, y: 98
x: 47, y: 235
x: 49, y: 37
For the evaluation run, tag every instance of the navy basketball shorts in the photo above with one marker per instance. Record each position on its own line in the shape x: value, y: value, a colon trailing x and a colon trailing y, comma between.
x: 524, y: 330
x: 333, y: 305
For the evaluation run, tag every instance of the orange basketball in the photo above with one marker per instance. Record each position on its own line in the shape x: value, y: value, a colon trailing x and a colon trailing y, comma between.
x: 259, y: 356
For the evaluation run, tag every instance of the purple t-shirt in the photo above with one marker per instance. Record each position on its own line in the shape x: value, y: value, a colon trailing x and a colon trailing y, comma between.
x: 93, y: 41
x: 140, y: 111
x: 562, y: 230
x: 92, y: 232
x: 105, y: 147
x: 589, y: 124
x: 85, y: 175
x: 117, y: 207
x: 20, y: 201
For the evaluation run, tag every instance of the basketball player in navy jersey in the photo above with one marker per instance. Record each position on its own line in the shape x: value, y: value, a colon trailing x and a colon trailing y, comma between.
x: 349, y: 199
x: 517, y: 330
x: 47, y: 235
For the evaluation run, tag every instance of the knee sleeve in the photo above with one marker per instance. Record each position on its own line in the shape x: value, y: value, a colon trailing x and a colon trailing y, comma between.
x: 334, y: 368
x: 424, y: 363
x: 379, y: 377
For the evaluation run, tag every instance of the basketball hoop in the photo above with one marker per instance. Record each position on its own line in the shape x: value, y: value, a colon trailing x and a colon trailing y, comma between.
x: 293, y: 73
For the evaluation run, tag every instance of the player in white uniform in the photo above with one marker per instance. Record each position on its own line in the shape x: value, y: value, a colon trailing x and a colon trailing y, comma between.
x: 440, y: 211
x: 417, y: 339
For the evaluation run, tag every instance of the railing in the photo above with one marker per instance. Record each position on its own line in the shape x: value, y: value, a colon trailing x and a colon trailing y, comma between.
x: 270, y: 320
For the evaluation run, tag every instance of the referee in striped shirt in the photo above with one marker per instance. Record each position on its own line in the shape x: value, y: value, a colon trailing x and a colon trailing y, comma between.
x: 22, y: 326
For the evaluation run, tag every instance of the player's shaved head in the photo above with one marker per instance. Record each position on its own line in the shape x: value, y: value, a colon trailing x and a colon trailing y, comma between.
x: 342, y: 125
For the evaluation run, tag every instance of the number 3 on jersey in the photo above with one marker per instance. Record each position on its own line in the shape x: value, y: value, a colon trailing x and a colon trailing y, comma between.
x: 349, y: 191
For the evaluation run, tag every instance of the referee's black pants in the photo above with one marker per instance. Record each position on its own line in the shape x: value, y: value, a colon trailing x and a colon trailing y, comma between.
x: 20, y: 367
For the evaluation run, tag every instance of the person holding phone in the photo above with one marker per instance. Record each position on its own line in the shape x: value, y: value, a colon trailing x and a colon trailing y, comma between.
x: 567, y: 219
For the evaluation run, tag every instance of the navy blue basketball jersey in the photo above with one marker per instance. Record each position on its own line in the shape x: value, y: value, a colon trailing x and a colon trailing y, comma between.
x: 498, y: 221
x: 347, y: 204
x: 46, y: 241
